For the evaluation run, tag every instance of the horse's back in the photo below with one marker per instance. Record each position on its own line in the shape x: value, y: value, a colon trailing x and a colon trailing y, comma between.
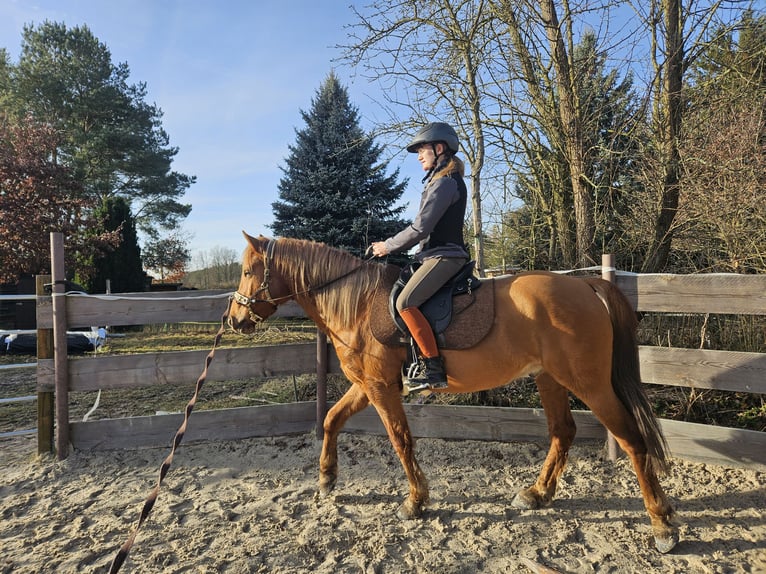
x: 550, y: 312
x: 543, y: 292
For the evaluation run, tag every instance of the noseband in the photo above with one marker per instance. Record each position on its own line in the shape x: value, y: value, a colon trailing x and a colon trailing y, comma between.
x: 264, y: 288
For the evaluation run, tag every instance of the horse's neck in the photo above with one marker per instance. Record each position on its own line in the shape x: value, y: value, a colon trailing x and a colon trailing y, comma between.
x: 341, y: 301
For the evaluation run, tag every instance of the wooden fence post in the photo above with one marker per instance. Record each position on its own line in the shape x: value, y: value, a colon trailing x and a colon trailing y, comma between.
x: 321, y: 382
x: 60, y: 371
x: 44, y: 393
x: 608, y: 274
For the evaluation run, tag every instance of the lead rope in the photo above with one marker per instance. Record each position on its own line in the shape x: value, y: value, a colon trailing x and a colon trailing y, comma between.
x: 119, y: 559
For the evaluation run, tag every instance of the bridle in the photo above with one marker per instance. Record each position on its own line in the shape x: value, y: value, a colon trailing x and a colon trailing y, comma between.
x: 264, y: 288
x: 249, y: 302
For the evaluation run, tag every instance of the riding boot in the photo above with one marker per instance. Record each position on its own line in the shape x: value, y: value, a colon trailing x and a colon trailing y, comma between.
x: 428, y: 372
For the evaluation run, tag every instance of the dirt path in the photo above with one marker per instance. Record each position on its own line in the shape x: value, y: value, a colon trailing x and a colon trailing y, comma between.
x: 251, y: 506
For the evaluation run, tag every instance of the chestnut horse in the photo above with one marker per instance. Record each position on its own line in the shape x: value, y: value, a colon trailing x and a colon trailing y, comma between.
x: 573, y: 334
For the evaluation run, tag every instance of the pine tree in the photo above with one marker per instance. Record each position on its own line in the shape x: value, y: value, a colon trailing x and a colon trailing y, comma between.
x: 110, y: 138
x: 335, y: 189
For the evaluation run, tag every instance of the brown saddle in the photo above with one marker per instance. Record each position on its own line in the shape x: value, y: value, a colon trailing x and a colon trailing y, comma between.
x: 473, y: 315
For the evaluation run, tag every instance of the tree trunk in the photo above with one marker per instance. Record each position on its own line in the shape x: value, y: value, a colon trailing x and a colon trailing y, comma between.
x: 571, y: 125
x: 477, y: 159
x: 670, y: 130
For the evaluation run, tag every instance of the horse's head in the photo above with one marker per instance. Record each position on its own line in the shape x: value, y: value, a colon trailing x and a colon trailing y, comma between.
x: 260, y: 291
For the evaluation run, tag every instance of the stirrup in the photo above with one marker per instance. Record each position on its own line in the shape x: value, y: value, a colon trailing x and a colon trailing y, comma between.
x: 413, y: 387
x: 425, y: 374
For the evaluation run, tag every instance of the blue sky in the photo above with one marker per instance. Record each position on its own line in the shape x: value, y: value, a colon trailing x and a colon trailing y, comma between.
x: 231, y: 77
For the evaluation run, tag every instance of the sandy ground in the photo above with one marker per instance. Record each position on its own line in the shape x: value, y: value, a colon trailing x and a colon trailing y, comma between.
x: 251, y: 506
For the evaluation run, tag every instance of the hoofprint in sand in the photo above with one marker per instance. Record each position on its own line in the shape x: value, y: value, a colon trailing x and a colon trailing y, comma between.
x: 252, y: 506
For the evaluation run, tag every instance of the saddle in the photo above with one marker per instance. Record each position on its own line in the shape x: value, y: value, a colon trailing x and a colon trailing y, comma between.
x: 460, y: 313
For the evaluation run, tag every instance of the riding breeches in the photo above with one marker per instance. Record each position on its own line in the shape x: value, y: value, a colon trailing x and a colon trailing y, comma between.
x: 428, y: 279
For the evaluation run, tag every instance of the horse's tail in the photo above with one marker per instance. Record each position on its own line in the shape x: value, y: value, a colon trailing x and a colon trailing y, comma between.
x: 626, y: 374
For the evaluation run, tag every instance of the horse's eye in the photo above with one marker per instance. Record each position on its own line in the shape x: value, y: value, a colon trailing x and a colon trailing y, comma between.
x: 247, y: 273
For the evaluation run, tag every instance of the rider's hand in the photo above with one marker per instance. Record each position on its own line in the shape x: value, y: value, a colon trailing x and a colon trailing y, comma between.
x: 379, y: 249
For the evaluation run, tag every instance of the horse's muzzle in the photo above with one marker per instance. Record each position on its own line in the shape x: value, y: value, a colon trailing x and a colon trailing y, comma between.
x: 244, y: 326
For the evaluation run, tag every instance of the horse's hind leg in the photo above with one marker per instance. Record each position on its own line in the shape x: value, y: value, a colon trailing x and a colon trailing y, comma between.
x: 350, y: 403
x: 561, y: 429
x: 616, y: 418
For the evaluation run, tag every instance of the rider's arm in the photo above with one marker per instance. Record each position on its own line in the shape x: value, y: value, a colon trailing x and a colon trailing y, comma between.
x: 437, y: 196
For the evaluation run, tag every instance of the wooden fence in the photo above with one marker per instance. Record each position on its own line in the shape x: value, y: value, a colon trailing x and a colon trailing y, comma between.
x: 700, y: 369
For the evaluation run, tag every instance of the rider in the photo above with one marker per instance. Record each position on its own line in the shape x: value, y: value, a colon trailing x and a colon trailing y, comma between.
x: 438, y: 228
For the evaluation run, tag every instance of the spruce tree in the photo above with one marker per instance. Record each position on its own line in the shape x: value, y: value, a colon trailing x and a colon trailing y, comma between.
x: 335, y: 189
x: 121, y: 265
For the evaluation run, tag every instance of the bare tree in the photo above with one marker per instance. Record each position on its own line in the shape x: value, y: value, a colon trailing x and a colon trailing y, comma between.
x: 556, y: 116
x: 529, y: 115
x: 721, y: 221
x: 432, y: 52
x: 215, y: 268
x: 224, y: 263
x: 679, y: 33
x: 507, y: 74
x: 571, y: 113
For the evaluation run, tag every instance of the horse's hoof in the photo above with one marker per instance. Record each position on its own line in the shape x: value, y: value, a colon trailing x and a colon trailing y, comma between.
x: 326, y: 486
x: 525, y: 500
x: 410, y: 510
x: 667, y: 542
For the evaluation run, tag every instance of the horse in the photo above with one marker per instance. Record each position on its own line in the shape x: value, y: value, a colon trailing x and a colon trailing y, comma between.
x: 573, y: 334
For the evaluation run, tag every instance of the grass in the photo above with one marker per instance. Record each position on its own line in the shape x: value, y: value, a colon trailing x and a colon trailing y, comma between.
x: 191, y: 336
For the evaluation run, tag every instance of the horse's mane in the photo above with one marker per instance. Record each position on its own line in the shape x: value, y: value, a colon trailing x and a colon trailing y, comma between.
x: 341, y: 283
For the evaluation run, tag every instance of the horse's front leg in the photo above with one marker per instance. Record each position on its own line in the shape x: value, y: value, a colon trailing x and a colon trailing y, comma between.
x: 350, y: 403
x: 561, y: 429
x: 388, y: 403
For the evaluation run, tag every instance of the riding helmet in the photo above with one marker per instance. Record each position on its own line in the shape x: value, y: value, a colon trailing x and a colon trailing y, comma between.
x: 433, y: 133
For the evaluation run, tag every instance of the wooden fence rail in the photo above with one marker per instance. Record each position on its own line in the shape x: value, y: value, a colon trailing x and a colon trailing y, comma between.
x: 703, y: 369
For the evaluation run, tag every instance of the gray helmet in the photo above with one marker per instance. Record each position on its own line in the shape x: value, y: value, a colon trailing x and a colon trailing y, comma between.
x: 433, y: 133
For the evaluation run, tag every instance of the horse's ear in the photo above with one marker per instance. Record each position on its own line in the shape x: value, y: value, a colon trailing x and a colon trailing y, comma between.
x: 258, y: 244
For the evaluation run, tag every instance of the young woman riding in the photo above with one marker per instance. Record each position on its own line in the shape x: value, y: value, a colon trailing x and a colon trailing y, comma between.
x: 438, y: 229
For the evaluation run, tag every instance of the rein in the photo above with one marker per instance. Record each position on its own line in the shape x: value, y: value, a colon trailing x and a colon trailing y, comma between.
x: 264, y: 286
x: 119, y: 559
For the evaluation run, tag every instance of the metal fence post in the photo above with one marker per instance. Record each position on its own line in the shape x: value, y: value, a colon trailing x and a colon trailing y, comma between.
x: 60, y: 373
x: 44, y: 393
x: 608, y: 274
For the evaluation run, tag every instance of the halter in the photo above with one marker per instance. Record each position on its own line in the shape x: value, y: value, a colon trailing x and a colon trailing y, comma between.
x: 264, y: 288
